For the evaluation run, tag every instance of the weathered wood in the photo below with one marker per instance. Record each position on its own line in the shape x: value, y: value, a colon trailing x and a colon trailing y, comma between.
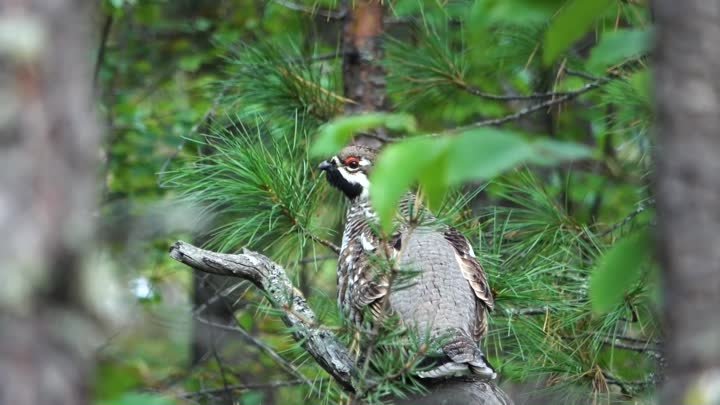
x: 321, y: 343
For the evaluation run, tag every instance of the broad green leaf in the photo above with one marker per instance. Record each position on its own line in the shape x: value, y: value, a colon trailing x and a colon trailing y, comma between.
x: 481, y: 154
x: 434, y: 181
x: 513, y: 11
x: 616, y: 46
x: 117, y: 3
x: 437, y: 163
x: 337, y: 133
x: 571, y: 23
x: 550, y: 151
x: 398, y: 167
x: 617, y: 270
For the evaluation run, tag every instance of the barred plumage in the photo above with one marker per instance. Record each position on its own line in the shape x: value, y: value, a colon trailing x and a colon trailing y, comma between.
x: 448, y: 297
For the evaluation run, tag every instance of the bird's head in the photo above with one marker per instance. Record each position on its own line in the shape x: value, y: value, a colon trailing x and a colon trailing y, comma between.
x: 349, y: 171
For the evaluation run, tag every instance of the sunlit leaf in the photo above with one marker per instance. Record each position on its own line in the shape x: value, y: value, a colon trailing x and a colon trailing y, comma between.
x: 513, y: 11
x: 618, y: 270
x: 550, y: 151
x: 616, y: 46
x: 337, y: 133
x: 398, y: 167
x: 571, y: 23
x: 484, y: 153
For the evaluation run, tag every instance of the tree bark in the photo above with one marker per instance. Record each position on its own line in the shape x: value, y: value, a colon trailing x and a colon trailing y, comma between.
x: 49, y: 156
x: 688, y: 195
x: 364, y: 80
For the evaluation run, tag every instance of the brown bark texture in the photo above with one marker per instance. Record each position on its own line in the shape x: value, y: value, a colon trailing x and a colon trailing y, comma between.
x: 49, y: 155
x: 688, y: 195
x: 364, y: 78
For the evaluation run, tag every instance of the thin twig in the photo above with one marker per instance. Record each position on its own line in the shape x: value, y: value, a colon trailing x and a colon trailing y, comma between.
x: 641, y: 207
x: 107, y: 25
x: 629, y: 388
x: 527, y: 311
x: 536, y: 107
x: 330, y: 14
x: 647, y: 348
x: 260, y: 345
x: 221, y: 367
x: 508, y: 97
x: 582, y: 75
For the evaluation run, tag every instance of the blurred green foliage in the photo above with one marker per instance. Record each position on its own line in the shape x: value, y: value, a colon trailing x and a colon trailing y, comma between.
x: 212, y: 108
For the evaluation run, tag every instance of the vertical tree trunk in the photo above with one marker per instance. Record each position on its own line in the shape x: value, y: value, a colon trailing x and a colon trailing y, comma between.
x: 688, y: 195
x: 49, y: 155
x: 364, y: 79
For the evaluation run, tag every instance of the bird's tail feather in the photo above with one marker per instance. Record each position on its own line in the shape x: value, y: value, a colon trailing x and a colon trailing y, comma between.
x: 462, y: 354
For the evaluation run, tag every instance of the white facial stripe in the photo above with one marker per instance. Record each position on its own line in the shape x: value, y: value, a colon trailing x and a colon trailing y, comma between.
x: 356, y: 178
x: 365, y: 162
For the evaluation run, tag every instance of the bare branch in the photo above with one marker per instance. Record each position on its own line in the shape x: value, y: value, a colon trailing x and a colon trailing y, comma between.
x: 641, y: 347
x: 321, y: 343
x: 260, y: 345
x: 475, y: 91
x: 335, y: 248
x: 269, y: 277
x: 536, y: 107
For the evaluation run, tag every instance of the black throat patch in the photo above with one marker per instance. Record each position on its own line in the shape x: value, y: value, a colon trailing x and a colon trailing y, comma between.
x: 351, y: 190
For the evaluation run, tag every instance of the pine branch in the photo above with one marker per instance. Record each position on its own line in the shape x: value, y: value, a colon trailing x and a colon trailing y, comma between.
x: 536, y: 107
x: 270, y: 278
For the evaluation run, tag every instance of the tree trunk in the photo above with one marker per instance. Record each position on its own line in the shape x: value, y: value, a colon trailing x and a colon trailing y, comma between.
x: 364, y: 79
x: 688, y: 195
x: 49, y: 156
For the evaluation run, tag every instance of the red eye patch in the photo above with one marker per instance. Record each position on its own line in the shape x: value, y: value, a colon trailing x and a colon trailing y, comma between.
x: 352, y: 160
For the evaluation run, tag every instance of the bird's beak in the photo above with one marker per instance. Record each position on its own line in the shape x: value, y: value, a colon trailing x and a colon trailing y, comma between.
x: 326, y: 165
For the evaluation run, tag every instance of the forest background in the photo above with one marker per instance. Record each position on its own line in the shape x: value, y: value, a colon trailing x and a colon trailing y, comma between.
x: 527, y: 124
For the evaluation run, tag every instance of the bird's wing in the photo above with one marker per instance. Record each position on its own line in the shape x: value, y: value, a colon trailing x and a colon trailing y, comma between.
x: 471, y: 268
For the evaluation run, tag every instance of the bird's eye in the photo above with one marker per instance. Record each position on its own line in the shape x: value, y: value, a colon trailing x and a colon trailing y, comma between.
x: 352, y: 163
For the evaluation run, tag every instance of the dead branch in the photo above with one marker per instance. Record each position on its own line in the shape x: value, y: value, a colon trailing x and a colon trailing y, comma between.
x: 320, y: 342
x: 270, y: 278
